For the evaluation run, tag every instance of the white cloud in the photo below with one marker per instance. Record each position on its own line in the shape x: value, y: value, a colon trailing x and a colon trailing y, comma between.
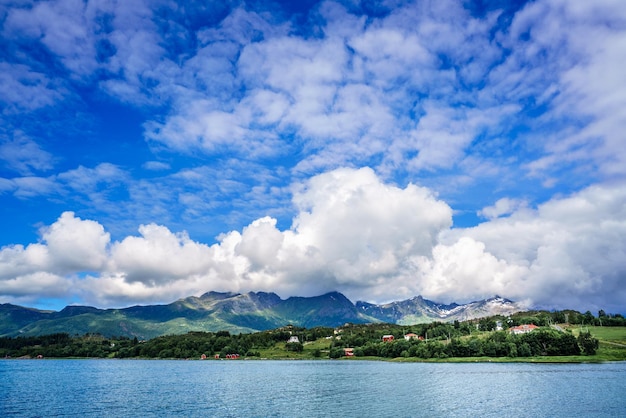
x: 88, y: 180
x: 22, y: 154
x: 64, y: 27
x: 465, y: 270
x: 260, y: 243
x: 17, y: 261
x: 68, y: 246
x: 347, y: 214
x: 573, y: 75
x: 48, y: 269
x: 76, y: 245
x: 502, y: 207
x: 22, y: 88
x: 567, y: 252
x: 159, y: 256
x: 30, y: 186
x: 21, y: 288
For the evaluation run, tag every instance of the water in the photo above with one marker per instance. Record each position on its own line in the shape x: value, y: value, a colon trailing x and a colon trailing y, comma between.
x: 162, y: 388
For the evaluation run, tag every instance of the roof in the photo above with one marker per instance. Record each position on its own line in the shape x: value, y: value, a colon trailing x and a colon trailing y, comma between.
x: 524, y: 327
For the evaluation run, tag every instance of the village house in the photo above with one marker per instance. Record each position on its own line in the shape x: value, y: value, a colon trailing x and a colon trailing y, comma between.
x: 348, y: 352
x: 523, y: 329
x: 410, y: 336
x: 293, y: 339
x: 387, y: 338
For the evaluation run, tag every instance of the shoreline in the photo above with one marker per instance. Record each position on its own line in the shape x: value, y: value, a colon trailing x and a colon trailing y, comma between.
x: 451, y: 360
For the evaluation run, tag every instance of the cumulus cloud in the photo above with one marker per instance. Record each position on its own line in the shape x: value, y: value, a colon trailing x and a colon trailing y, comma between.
x: 353, y: 233
x: 48, y: 269
x: 159, y: 255
x: 74, y: 244
x: 567, y: 252
x: 465, y: 268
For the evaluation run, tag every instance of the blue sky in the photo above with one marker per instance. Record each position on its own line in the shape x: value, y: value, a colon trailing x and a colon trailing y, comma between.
x: 454, y: 149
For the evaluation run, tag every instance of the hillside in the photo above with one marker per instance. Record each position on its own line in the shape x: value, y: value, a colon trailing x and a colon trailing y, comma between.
x: 237, y: 313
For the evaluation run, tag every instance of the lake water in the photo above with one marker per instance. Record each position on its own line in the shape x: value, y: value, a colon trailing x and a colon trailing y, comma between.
x: 238, y: 388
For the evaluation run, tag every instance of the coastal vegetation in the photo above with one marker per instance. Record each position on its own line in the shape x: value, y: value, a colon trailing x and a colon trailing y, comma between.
x: 486, y: 339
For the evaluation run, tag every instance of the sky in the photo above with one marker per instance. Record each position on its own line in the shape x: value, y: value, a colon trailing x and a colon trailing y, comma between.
x: 153, y: 150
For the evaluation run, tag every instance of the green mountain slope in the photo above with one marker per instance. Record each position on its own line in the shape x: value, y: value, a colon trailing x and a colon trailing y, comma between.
x: 235, y: 312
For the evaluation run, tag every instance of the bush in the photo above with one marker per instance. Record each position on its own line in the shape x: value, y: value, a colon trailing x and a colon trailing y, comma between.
x: 296, y: 347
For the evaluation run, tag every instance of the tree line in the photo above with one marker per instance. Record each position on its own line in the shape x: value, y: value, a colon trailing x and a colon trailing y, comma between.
x: 541, y: 342
x: 435, y: 340
x: 190, y: 345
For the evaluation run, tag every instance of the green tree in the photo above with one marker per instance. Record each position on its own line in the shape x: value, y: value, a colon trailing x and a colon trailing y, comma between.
x: 588, y: 344
x: 487, y: 324
x: 335, y: 352
x: 524, y: 350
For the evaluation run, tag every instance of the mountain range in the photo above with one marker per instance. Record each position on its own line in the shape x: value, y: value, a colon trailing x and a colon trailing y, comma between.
x: 238, y: 313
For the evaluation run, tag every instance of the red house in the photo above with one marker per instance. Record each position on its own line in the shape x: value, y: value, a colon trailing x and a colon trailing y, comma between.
x: 523, y: 329
x: 387, y: 338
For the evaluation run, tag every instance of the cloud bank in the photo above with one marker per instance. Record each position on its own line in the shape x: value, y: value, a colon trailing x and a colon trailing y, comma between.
x: 353, y: 233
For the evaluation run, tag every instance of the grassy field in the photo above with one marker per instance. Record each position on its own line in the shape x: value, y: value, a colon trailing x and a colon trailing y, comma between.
x: 604, y: 334
x: 612, y: 342
x: 309, y: 351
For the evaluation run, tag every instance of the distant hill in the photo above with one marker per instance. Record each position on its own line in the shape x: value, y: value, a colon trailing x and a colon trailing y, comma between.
x: 237, y: 313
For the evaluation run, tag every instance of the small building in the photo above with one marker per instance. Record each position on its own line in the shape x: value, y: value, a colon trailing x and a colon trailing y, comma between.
x: 523, y: 329
x: 348, y: 352
x: 293, y: 339
x: 411, y: 336
x: 387, y: 338
x: 203, y: 357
